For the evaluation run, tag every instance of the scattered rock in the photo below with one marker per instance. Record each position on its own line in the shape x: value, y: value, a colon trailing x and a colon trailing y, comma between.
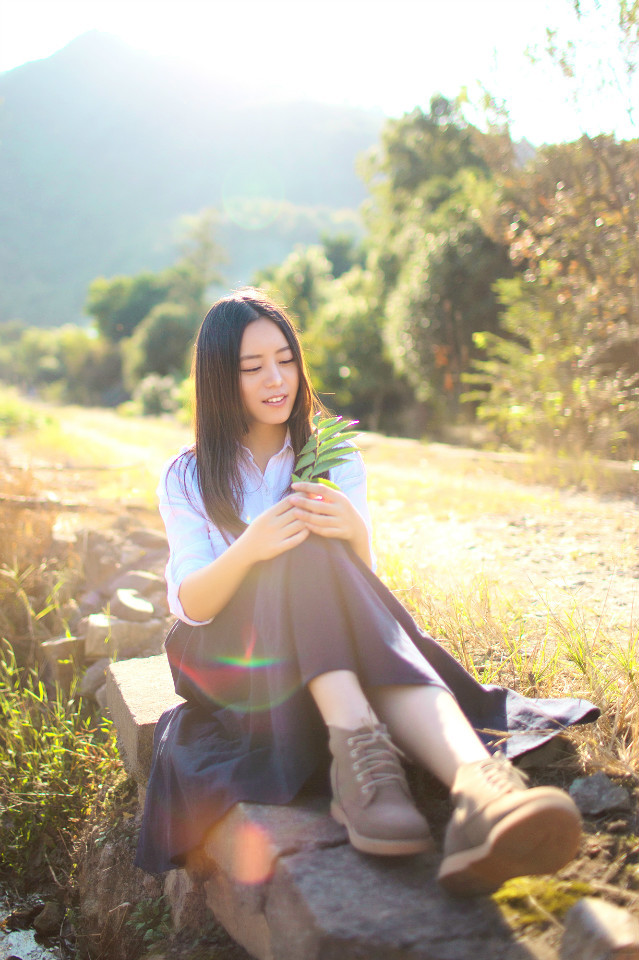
x: 143, y: 581
x: 100, y: 696
x: 188, y: 903
x: 49, y: 920
x: 596, y: 930
x: 598, y: 794
x: 148, y: 538
x: 62, y: 657
x: 94, y: 677
x: 127, y: 604
x: 111, y: 636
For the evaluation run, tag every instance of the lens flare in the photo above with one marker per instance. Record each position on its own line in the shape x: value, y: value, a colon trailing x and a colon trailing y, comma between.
x: 252, y: 860
x: 243, y: 682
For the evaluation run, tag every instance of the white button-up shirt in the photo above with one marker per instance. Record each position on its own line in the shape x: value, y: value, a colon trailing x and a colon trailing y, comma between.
x: 195, y: 541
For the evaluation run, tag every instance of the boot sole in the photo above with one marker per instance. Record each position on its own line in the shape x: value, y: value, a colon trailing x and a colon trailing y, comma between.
x: 381, y: 848
x: 540, y: 837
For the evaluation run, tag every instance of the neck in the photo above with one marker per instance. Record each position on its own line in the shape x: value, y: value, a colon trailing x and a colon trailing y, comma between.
x: 264, y: 441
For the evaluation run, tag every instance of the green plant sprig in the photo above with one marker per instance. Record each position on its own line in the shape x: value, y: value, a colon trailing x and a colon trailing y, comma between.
x: 327, y: 447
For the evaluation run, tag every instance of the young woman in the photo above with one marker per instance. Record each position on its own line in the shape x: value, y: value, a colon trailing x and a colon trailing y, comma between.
x: 289, y: 650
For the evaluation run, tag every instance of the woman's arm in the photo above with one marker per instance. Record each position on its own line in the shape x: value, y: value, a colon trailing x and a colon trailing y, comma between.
x: 204, y: 592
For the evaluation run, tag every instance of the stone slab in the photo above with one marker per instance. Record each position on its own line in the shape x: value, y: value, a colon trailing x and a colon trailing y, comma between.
x: 338, y: 904
x: 247, y: 843
x: 138, y: 692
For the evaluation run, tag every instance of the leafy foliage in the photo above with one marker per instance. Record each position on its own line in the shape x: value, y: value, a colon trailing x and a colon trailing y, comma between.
x: 567, y: 373
x: 427, y: 241
x: 328, y: 446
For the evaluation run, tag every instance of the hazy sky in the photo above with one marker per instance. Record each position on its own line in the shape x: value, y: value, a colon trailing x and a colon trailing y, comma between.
x: 392, y: 54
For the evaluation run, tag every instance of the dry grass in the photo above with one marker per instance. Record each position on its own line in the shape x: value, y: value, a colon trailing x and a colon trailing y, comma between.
x: 494, y: 635
x: 560, y: 656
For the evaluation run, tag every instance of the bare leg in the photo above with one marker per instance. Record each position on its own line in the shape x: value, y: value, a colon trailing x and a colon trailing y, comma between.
x: 341, y: 700
x: 428, y: 725
x: 425, y: 721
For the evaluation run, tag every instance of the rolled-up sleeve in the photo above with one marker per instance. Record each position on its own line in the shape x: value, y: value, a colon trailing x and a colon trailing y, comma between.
x: 192, y: 538
x: 350, y: 477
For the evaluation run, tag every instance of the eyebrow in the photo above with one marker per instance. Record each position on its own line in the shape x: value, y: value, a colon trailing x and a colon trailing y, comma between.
x: 258, y: 356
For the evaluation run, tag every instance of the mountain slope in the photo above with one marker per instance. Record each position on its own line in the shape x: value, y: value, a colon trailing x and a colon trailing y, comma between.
x: 103, y: 147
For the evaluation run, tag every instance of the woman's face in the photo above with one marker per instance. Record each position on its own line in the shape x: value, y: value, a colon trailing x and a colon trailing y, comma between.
x: 269, y: 377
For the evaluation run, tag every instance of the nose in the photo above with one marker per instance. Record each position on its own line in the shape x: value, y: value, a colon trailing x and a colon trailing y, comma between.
x: 274, y: 374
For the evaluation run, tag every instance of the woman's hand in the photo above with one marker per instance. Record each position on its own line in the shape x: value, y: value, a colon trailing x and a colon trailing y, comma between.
x: 329, y: 513
x: 275, y: 531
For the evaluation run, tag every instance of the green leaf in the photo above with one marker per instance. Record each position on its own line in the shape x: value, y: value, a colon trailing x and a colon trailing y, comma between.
x: 331, y: 430
x: 323, y: 465
x: 311, y: 444
x: 305, y: 459
x: 327, y: 483
x: 340, y: 438
x: 332, y: 421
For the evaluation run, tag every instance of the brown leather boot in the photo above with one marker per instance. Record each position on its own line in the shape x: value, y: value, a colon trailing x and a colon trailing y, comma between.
x: 371, y: 796
x: 502, y: 829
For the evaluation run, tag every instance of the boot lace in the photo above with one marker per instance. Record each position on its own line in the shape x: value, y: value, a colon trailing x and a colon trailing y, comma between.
x: 501, y: 776
x: 375, y: 759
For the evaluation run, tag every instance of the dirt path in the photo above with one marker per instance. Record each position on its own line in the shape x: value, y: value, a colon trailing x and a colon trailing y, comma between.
x: 445, y: 511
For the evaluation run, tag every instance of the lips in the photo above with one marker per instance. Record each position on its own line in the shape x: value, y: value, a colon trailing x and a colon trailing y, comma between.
x: 274, y: 401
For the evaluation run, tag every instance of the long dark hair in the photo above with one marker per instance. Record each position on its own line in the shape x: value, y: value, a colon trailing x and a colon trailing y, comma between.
x: 220, y: 420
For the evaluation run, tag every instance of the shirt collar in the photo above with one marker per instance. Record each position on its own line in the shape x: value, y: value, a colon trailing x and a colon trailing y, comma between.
x: 288, y: 444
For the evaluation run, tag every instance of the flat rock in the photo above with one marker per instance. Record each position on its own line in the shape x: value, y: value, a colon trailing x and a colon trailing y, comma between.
x: 127, y: 604
x: 598, y: 794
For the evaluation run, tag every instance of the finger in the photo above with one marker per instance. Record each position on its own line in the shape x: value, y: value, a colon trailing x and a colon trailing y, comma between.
x: 326, y: 530
x: 292, y: 526
x: 314, y: 490
x: 293, y: 541
x: 316, y: 506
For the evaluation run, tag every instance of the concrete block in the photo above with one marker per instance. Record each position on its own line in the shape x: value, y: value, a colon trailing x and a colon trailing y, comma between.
x: 138, y: 692
x: 596, y: 930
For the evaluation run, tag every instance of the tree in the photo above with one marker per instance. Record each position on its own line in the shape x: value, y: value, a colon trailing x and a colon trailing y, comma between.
x: 347, y: 355
x: 571, y: 374
x: 300, y: 282
x: 427, y: 242
x: 118, y: 305
x: 161, y: 344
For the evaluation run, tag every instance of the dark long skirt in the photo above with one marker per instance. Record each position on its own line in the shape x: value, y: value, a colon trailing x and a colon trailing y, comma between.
x: 249, y: 729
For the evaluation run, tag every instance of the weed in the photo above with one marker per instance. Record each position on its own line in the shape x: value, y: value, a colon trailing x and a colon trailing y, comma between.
x: 54, y: 762
x: 150, y: 920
